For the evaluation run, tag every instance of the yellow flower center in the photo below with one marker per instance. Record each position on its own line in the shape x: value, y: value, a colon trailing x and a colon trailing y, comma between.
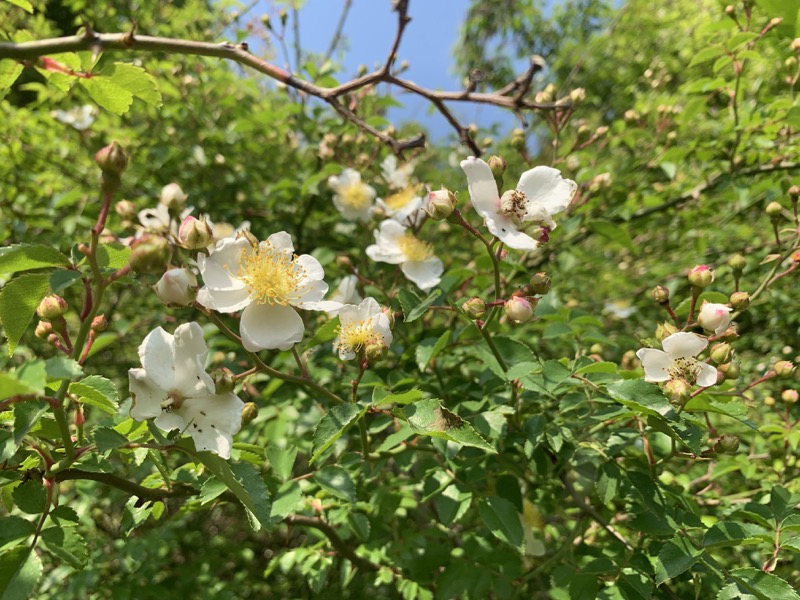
x: 354, y: 336
x: 400, y: 199
x: 414, y: 249
x: 687, y: 368
x: 272, y: 276
x: 355, y: 196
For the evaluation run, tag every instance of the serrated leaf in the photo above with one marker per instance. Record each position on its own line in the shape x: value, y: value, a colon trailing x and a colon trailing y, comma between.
x: 245, y: 482
x: 14, y: 528
x: 26, y: 415
x: 18, y: 301
x: 66, y: 544
x: 26, y: 257
x: 135, y: 80
x: 380, y: 397
x: 326, y: 333
x: 503, y: 520
x: 336, y: 481
x: 452, y: 504
x: 641, y: 397
x: 281, y: 460
x: 20, y: 570
x: 706, y: 54
x: 765, y: 586
x: 62, y: 368
x: 429, y: 417
x: 113, y: 255
x: 10, y: 70
x: 331, y: 427
x: 420, y: 309
x: 108, y: 94
x: 11, y: 385
x: 676, y: 556
x: 429, y: 348
x: 61, y: 279
x: 608, y: 482
x: 286, y: 500
x: 731, y: 533
x: 30, y: 497
x: 96, y: 391
x: 106, y: 438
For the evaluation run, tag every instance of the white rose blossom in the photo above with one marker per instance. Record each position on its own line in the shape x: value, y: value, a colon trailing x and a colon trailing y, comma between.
x: 352, y: 197
x: 677, y: 360
x: 158, y: 219
x: 173, y: 387
x: 345, y: 293
x: 396, y: 177
x: 80, y: 118
x: 395, y: 245
x: 540, y: 194
x: 177, y: 286
x: 360, y: 326
x: 267, y: 282
x: 714, y: 317
x: 404, y: 206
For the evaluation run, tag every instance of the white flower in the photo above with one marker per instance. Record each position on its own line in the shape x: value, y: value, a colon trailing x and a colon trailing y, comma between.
x: 519, y: 309
x: 714, y: 317
x: 345, y: 293
x: 540, y: 194
x: 622, y: 309
x: 360, y: 326
x: 266, y: 282
x: 177, y: 286
x: 158, y: 220
x: 80, y: 118
x: 173, y: 387
x: 677, y: 360
x: 173, y: 196
x: 396, y: 177
x: 403, y: 206
x: 397, y: 246
x: 352, y: 197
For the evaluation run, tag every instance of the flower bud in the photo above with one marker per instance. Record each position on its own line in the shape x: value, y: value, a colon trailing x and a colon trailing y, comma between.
x: 794, y: 191
x: 389, y: 315
x: 737, y: 263
x: 790, y: 396
x: 577, y: 95
x: 177, y: 286
x: 441, y: 204
x: 498, y: 167
x: 629, y: 361
x: 519, y: 309
x: 126, y: 209
x: 224, y: 380
x: 740, y: 300
x: 474, y: 307
x: 43, y: 330
x: 774, y: 211
x: 730, y: 10
x: 112, y: 159
x: 52, y: 308
x: 660, y: 294
x: 631, y: 115
x: 721, y: 353
x: 344, y: 261
x: 375, y: 351
x: 195, y: 234
x: 784, y: 369
x: 701, y: 276
x: 731, y: 334
x: 664, y: 330
x: 727, y: 444
x: 769, y: 401
x: 173, y: 197
x: 149, y: 254
x: 99, y: 324
x: 729, y: 370
x: 714, y: 317
x: 249, y: 412
x: 795, y: 44
x: 677, y: 390
x: 540, y: 283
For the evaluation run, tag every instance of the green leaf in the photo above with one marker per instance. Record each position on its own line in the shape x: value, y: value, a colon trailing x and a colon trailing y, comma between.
x: 613, y: 232
x: 26, y: 257
x: 414, y: 310
x: 135, y: 80
x: 18, y: 301
x: 641, y: 397
x: 107, y: 439
x: 10, y: 70
x: 96, y: 391
x: 62, y: 368
x: 730, y: 533
x: 331, y: 427
x: 66, y: 544
x: 11, y: 385
x: 108, y: 94
x: 452, y: 504
x: 707, y: 54
x: 336, y: 481
x: 30, y: 497
x: 113, y: 256
x: 245, y: 482
x: 429, y: 348
x: 765, y: 586
x: 502, y: 519
x: 429, y: 417
x: 286, y: 500
x: 380, y: 397
x: 608, y: 482
x: 26, y: 415
x: 20, y: 570
x: 676, y: 556
x: 23, y: 4
x: 61, y: 279
x: 14, y: 528
x: 281, y: 460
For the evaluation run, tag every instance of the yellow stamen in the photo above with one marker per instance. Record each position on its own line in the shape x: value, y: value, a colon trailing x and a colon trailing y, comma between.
x: 414, y: 249
x: 272, y: 276
x: 354, y: 337
x: 355, y: 196
x: 400, y: 199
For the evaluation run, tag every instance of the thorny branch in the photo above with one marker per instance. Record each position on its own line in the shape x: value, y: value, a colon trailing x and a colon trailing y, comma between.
x: 512, y: 96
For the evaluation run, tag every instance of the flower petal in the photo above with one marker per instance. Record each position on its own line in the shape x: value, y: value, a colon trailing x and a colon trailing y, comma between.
x: 146, y: 396
x: 224, y: 301
x: 157, y: 353
x: 219, y: 270
x: 167, y: 421
x: 425, y: 273
x: 190, y: 357
x: 656, y: 364
x: 546, y: 187
x: 684, y: 345
x: 266, y: 327
x: 706, y: 375
x: 281, y: 241
x: 212, y: 421
x: 506, y: 231
x: 482, y: 187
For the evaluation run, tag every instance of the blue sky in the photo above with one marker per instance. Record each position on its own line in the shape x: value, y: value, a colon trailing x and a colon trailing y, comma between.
x: 427, y: 45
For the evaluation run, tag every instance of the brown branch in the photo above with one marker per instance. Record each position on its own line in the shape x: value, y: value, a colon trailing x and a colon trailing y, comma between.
x: 337, y: 542
x: 338, y: 32
x: 134, y: 489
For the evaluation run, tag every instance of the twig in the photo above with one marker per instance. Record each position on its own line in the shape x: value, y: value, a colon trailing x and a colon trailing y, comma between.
x: 337, y: 542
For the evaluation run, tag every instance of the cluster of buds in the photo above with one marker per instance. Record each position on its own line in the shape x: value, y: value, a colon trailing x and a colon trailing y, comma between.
x: 53, y: 325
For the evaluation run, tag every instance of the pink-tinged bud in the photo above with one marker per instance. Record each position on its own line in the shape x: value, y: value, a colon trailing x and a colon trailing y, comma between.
x: 99, y: 324
x: 126, y: 209
x: 195, y: 234
x: 540, y: 283
x: 375, y: 351
x: 740, y: 300
x: 173, y: 197
x: 737, y: 263
x: 677, y: 390
x: 249, y: 413
x: 664, y: 330
x: 784, y: 369
x: 474, y: 307
x: 721, y: 353
x: 389, y: 314
x: 519, y: 309
x: 497, y: 164
x: 729, y: 370
x: 112, y: 159
x: 701, y: 276
x: 714, y: 317
x: 727, y: 444
x: 149, y: 254
x: 43, y: 330
x: 441, y: 204
x: 224, y: 380
x: 52, y: 308
x: 177, y: 286
x: 790, y: 396
x: 660, y: 294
